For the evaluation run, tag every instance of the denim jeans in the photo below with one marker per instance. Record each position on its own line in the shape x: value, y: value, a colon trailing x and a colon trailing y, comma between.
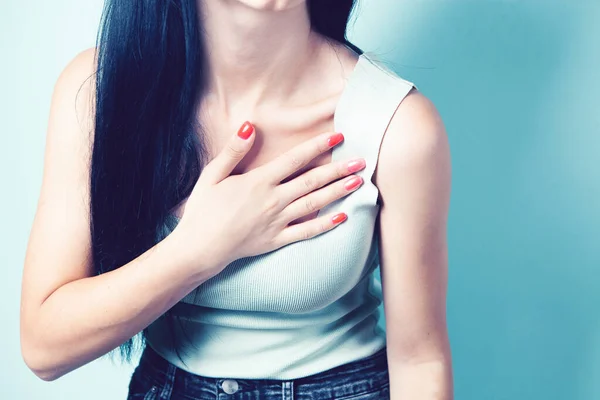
x: 155, y: 378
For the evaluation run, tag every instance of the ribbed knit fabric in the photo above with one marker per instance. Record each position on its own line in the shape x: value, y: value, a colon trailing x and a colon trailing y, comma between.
x: 311, y: 305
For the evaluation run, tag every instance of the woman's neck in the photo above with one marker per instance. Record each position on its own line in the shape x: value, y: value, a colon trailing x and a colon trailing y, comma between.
x: 255, y: 56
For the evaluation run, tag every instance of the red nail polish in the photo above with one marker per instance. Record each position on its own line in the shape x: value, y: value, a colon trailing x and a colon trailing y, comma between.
x: 335, y: 139
x: 356, y: 165
x: 337, y: 218
x: 245, y: 130
x: 353, y: 183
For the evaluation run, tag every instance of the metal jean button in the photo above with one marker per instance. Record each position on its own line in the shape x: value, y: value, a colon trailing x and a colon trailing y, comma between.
x: 230, y: 386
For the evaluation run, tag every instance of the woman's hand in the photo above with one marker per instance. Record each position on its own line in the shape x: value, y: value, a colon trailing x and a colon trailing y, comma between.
x: 232, y: 216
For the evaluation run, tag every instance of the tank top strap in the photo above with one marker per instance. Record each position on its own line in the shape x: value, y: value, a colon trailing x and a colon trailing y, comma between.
x: 364, y: 111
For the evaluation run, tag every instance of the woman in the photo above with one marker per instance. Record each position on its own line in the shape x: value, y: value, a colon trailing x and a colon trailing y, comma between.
x: 253, y: 279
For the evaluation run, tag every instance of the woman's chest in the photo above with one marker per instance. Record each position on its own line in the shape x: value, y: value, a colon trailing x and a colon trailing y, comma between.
x: 303, y: 276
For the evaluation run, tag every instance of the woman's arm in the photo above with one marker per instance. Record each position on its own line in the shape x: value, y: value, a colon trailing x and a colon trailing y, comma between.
x: 413, y: 177
x: 69, y: 317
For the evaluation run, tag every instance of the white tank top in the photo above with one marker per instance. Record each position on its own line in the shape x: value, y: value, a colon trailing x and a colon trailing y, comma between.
x: 311, y: 305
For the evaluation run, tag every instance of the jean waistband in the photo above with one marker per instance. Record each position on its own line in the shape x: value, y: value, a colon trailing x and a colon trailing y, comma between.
x: 365, y: 374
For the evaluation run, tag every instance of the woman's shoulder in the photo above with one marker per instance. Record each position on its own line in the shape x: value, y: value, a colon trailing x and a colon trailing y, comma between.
x: 79, y: 69
x: 415, y: 125
x: 415, y: 151
x: 416, y: 129
x: 76, y: 85
x: 415, y: 142
x: 76, y: 82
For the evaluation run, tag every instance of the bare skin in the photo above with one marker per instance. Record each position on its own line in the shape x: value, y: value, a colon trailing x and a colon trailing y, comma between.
x: 296, y: 78
x: 269, y: 69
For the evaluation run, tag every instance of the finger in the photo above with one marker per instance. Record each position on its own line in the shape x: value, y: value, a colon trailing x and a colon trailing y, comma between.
x: 234, y: 151
x: 316, y: 178
x: 310, y: 229
x: 299, y: 156
x: 320, y: 198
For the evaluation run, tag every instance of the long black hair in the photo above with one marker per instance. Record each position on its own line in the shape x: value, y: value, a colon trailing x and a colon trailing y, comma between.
x: 147, y: 153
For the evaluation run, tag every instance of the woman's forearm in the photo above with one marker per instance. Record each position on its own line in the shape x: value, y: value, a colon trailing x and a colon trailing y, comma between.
x: 86, y: 318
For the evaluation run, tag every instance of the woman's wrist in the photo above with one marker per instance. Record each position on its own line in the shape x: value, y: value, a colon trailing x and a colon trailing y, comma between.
x: 195, y: 259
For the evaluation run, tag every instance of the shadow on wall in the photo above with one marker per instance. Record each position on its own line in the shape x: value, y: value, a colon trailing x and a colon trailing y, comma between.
x: 516, y: 85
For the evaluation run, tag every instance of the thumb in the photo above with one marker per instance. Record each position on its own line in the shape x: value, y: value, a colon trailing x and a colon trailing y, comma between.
x: 234, y: 151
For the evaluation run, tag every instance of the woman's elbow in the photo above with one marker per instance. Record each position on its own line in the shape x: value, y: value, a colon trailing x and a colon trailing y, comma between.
x: 38, y: 359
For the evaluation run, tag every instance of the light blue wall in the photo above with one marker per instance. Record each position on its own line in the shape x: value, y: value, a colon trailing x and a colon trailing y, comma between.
x: 517, y: 85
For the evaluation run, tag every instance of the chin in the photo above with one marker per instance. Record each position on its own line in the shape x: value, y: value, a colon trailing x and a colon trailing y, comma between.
x: 271, y: 5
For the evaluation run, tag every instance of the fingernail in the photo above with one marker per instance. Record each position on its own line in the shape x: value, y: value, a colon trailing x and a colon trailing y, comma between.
x: 353, y: 183
x: 245, y: 130
x: 356, y: 165
x: 337, y: 218
x: 335, y: 139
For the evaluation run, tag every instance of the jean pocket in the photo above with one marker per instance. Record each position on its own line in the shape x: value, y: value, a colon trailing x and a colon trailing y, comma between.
x: 142, y: 389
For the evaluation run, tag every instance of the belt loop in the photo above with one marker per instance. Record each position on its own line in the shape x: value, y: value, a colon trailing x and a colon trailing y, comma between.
x: 287, y: 390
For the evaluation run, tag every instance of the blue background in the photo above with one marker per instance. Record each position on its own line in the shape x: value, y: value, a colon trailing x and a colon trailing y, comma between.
x: 517, y: 84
